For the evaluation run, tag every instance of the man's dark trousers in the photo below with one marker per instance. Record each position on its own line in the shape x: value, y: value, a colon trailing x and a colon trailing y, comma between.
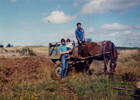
x: 80, y: 48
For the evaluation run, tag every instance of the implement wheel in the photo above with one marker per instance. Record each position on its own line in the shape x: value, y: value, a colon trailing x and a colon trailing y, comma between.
x: 58, y: 69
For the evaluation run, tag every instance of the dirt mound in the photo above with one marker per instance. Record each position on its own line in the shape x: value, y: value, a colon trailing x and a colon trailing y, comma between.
x: 22, y: 68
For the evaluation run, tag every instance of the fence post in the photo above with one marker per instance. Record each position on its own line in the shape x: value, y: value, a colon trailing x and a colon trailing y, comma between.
x: 49, y: 49
x: 56, y: 49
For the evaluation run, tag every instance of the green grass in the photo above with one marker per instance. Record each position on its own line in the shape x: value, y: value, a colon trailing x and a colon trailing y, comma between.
x: 100, y: 88
x: 38, y: 91
x: 96, y: 87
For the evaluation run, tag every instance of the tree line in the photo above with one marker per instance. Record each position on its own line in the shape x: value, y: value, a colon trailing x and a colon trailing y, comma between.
x: 8, y: 45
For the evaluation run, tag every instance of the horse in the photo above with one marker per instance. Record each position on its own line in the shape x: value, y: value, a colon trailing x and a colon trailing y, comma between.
x: 102, y: 51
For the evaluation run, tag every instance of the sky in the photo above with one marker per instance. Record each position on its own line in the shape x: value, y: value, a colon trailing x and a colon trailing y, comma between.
x: 39, y: 22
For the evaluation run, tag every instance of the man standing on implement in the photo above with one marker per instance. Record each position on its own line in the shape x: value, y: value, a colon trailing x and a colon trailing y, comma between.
x: 80, y: 36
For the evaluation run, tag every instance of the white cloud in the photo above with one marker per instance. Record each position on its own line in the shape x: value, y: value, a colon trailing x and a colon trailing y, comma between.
x: 126, y: 35
x: 127, y: 32
x: 137, y: 27
x: 115, y: 27
x: 71, y: 33
x: 43, y: 13
x: 22, y: 23
x: 89, y: 30
x: 58, y: 6
x: 58, y: 17
x: 122, y: 34
x: 77, y: 2
x: 13, y: 0
x: 31, y: 26
x: 133, y: 38
x: 126, y: 38
x: 114, y: 34
x: 103, y: 6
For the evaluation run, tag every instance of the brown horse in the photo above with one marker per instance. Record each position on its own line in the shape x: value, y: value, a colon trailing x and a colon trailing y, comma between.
x: 105, y: 50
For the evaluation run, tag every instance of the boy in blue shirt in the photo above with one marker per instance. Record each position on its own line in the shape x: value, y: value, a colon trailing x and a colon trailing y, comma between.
x: 64, y: 55
x: 80, y: 36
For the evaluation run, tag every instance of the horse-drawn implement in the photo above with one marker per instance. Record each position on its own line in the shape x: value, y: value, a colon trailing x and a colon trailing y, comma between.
x: 88, y: 52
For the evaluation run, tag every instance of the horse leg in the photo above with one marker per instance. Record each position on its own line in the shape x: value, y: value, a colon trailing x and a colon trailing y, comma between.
x: 85, y: 65
x: 87, y: 68
x: 105, y: 65
x: 112, y: 66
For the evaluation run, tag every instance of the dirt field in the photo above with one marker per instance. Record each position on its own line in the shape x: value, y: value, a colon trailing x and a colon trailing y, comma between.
x: 21, y: 68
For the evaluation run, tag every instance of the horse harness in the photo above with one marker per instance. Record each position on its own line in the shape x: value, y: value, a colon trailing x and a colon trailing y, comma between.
x: 95, y: 44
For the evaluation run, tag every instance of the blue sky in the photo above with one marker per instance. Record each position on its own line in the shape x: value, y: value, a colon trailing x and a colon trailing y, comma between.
x: 38, y: 22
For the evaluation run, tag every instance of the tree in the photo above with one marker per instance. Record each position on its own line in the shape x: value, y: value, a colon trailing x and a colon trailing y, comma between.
x: 1, y: 46
x: 9, y: 45
x: 88, y: 40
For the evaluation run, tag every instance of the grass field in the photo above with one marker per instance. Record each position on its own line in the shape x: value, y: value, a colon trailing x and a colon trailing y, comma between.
x: 38, y: 50
x: 43, y: 84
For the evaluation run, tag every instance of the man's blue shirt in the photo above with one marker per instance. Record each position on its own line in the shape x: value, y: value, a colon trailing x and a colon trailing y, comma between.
x: 63, y: 49
x: 79, y: 34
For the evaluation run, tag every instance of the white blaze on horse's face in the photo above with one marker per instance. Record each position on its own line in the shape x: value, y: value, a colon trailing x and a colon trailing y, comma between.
x: 112, y: 68
x: 112, y: 64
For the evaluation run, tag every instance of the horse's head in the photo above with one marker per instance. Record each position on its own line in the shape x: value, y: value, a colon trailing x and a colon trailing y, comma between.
x: 112, y: 67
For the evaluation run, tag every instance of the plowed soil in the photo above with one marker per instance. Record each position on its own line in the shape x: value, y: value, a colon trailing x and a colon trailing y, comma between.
x: 21, y: 68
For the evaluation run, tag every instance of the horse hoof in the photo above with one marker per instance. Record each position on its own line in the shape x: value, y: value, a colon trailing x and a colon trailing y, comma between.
x: 89, y: 74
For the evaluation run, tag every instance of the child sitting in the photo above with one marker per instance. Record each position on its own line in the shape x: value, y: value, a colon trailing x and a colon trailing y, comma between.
x: 69, y: 47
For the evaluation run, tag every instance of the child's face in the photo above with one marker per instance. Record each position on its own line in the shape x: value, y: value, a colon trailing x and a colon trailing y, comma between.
x: 68, y: 41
